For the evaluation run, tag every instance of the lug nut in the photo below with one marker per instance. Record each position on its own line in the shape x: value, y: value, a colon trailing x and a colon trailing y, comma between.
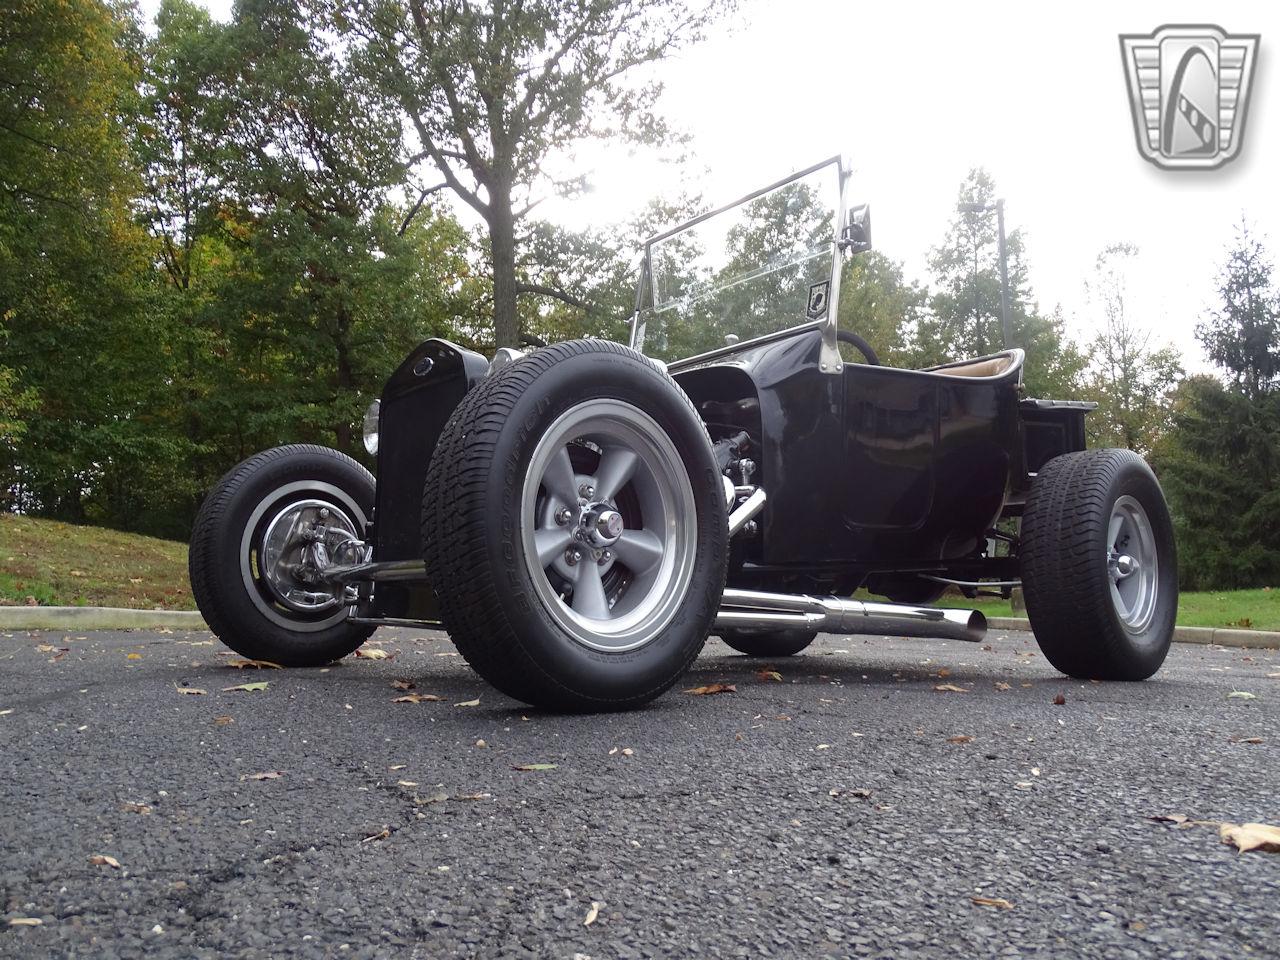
x: 572, y: 556
x: 604, y: 557
x: 563, y: 516
x: 586, y: 490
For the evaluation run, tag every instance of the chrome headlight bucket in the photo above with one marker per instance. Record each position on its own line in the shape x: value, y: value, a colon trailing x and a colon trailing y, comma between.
x: 371, y: 427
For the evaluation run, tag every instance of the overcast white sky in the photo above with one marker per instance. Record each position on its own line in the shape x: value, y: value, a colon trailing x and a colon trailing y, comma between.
x: 916, y: 94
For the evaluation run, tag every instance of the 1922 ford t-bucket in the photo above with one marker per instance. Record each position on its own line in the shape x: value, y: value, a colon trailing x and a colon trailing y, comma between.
x: 581, y: 517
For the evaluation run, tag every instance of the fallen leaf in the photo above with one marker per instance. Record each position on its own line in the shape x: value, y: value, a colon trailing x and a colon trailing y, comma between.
x: 192, y: 691
x: 1002, y: 686
x: 130, y: 806
x: 418, y: 698
x: 473, y: 796
x: 380, y: 835
x: 1169, y: 818
x: 627, y: 752
x: 240, y: 663
x: 5, y: 713
x: 406, y: 783
x: 133, y: 656
x: 711, y: 688
x: 943, y: 673
x: 1059, y: 701
x: 1246, y: 740
x: 1251, y: 836
x: 469, y: 703
x: 592, y: 914
x: 373, y: 653
x: 998, y: 902
x: 265, y: 775
x: 960, y: 738
x: 102, y: 860
x: 534, y: 766
x: 397, y: 766
x: 773, y: 675
x: 257, y: 687
x: 824, y: 746
x: 481, y: 744
x: 222, y: 721
x: 45, y: 648
x: 1274, y: 676
x: 135, y: 579
x: 949, y: 688
x: 1241, y: 695
x: 26, y: 921
x: 403, y: 684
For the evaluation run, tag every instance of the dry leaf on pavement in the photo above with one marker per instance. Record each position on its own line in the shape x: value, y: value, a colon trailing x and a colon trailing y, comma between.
x: 592, y: 914
x: 418, y: 698
x: 133, y: 656
x: 1002, y: 686
x: 223, y: 720
x: 1059, y: 700
x: 711, y: 688
x: 102, y: 860
x: 949, y: 688
x: 944, y: 672
x: 1246, y: 740
x: 373, y: 653
x: 256, y: 687
x: 26, y: 921
x: 265, y: 775
x: 192, y: 691
x: 130, y: 806
x: 1241, y: 695
x: 240, y: 663
x: 380, y: 835
x: 960, y: 738
x: 534, y: 766
x: 473, y: 796
x: 1251, y: 836
x: 403, y: 684
x: 773, y: 675
x: 998, y: 902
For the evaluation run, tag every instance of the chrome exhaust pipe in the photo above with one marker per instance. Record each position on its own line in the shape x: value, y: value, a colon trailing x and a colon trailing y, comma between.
x: 754, y: 610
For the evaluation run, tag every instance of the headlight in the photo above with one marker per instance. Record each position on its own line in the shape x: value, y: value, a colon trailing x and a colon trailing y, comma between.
x: 371, y: 426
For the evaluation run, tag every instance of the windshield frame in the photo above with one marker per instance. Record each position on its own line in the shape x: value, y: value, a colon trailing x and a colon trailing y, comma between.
x: 829, y: 360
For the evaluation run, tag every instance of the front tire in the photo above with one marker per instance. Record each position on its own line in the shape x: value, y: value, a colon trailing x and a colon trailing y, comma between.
x: 1099, y: 566
x: 574, y: 528
x: 246, y: 543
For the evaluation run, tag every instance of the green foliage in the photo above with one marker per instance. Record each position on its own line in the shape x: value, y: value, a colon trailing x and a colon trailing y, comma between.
x: 965, y: 316
x: 1130, y: 381
x: 494, y: 90
x: 880, y: 304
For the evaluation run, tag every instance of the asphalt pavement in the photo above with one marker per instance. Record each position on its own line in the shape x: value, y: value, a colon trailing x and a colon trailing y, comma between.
x: 852, y: 801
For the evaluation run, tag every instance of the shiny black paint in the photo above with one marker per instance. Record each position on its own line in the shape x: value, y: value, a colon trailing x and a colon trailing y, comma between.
x: 417, y: 401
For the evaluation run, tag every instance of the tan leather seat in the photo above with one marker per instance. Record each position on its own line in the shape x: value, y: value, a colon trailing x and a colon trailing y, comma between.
x: 986, y: 367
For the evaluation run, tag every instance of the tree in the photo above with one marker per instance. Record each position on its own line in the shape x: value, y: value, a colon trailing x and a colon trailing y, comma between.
x: 1131, y: 382
x: 1243, y: 335
x: 494, y: 91
x: 878, y: 302
x: 965, y: 316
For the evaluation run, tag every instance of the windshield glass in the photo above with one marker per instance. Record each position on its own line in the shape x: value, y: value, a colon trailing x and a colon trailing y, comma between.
x: 745, y: 271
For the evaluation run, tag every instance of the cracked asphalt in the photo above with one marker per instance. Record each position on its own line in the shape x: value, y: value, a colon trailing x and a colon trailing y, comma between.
x: 838, y: 812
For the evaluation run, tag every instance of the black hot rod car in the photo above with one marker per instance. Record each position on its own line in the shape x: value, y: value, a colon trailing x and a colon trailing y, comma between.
x: 581, y: 517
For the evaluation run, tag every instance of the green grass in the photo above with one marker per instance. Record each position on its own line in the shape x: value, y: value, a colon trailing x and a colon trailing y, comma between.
x: 60, y: 564
x: 1246, y: 609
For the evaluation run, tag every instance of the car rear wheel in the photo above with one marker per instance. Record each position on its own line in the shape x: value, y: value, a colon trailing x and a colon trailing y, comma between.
x: 1099, y: 566
x: 254, y: 552
x: 574, y: 528
x: 769, y: 643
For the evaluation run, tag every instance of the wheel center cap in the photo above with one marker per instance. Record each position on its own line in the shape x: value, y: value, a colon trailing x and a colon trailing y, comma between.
x: 1124, y: 565
x: 602, y: 525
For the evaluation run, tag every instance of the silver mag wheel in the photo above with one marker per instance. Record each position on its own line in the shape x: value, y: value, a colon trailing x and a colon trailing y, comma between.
x: 1132, y: 564
x: 263, y: 535
x: 574, y: 529
x: 608, y: 525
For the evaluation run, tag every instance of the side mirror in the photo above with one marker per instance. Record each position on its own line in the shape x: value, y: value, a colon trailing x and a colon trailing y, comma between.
x: 856, y: 237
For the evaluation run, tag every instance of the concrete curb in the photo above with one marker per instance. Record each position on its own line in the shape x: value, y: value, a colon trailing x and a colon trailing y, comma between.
x: 97, y: 618
x: 1222, y: 636
x: 115, y: 618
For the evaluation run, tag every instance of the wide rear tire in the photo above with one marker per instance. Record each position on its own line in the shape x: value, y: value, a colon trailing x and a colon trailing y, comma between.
x: 1099, y: 566
x: 574, y: 528
x: 253, y: 606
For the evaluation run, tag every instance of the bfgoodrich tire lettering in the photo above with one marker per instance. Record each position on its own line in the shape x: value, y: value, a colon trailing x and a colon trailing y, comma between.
x: 477, y: 520
x: 1096, y: 519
